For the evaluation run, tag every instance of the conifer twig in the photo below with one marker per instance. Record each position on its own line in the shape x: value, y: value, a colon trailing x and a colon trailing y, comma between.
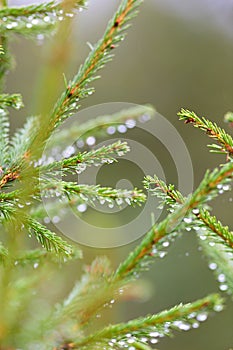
x: 207, y: 189
x: 100, y: 125
x: 36, y: 18
x: 212, y: 130
x: 180, y: 317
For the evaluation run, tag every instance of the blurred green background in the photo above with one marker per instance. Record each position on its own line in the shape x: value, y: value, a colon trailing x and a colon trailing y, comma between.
x: 177, y: 54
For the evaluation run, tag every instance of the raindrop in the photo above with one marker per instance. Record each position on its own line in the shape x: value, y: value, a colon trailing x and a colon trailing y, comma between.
x: 80, y: 143
x: 188, y: 220
x: 212, y: 266
x: 102, y: 201
x: 119, y: 201
x: 60, y: 18
x: 90, y: 141
x: 196, y: 211
x: 82, y: 207
x: 162, y: 254
x: 165, y: 244
x: 195, y: 325
x: 212, y: 244
x: 221, y: 277
x: 20, y: 205
x: 128, y: 201
x: 9, y: 26
x: 144, y: 339
x: 111, y: 205
x: 202, y: 317
x: 55, y: 219
x: 68, y: 151
x: 47, y: 19
x: 111, y: 130
x: 144, y: 118
x: 35, y: 21
x: 154, y: 334
x: 223, y: 287
x: 188, y: 228
x: 132, y: 348
x: 218, y: 308
x: 202, y: 237
x: 46, y: 220
x: 225, y: 187
x: 35, y: 265
x: 130, y: 123
x: 122, y: 129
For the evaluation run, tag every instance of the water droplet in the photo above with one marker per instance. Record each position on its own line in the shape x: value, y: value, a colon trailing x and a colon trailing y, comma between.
x: 111, y: 205
x: 80, y: 143
x: 196, y: 211
x: 154, y: 334
x: 226, y: 187
x: 55, y: 219
x: 202, y: 237
x: 122, y: 129
x: 111, y: 130
x: 130, y: 123
x: 144, y: 339
x: 35, y: 21
x: 20, y: 205
x: 90, y: 141
x: 69, y: 151
x: 128, y: 201
x: 144, y: 118
x: 165, y: 244
x: 82, y: 207
x: 223, y: 287
x: 119, y: 201
x: 211, y: 244
x: 81, y: 168
x: 35, y: 265
x: 46, y: 220
x: 212, y: 266
x: 188, y: 220
x: 221, y: 277
x: 218, y: 308
x: 162, y: 254
x: 202, y: 317
x: 195, y: 325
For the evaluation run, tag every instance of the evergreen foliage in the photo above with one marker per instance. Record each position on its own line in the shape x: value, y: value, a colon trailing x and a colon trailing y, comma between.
x: 26, y: 174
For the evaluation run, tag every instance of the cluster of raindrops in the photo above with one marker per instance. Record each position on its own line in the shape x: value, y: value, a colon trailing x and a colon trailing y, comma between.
x: 154, y: 334
x: 159, y: 249
x: 35, y: 22
x: 221, y: 277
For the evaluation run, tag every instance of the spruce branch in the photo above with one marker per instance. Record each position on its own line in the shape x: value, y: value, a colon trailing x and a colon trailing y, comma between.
x: 48, y: 239
x: 37, y: 18
x: 101, y: 53
x: 100, y: 126
x: 90, y: 193
x: 201, y: 217
x: 14, y: 101
x: 220, y: 262
x: 146, y: 329
x: 225, y: 141
x: 143, y: 253
x: 79, y: 162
